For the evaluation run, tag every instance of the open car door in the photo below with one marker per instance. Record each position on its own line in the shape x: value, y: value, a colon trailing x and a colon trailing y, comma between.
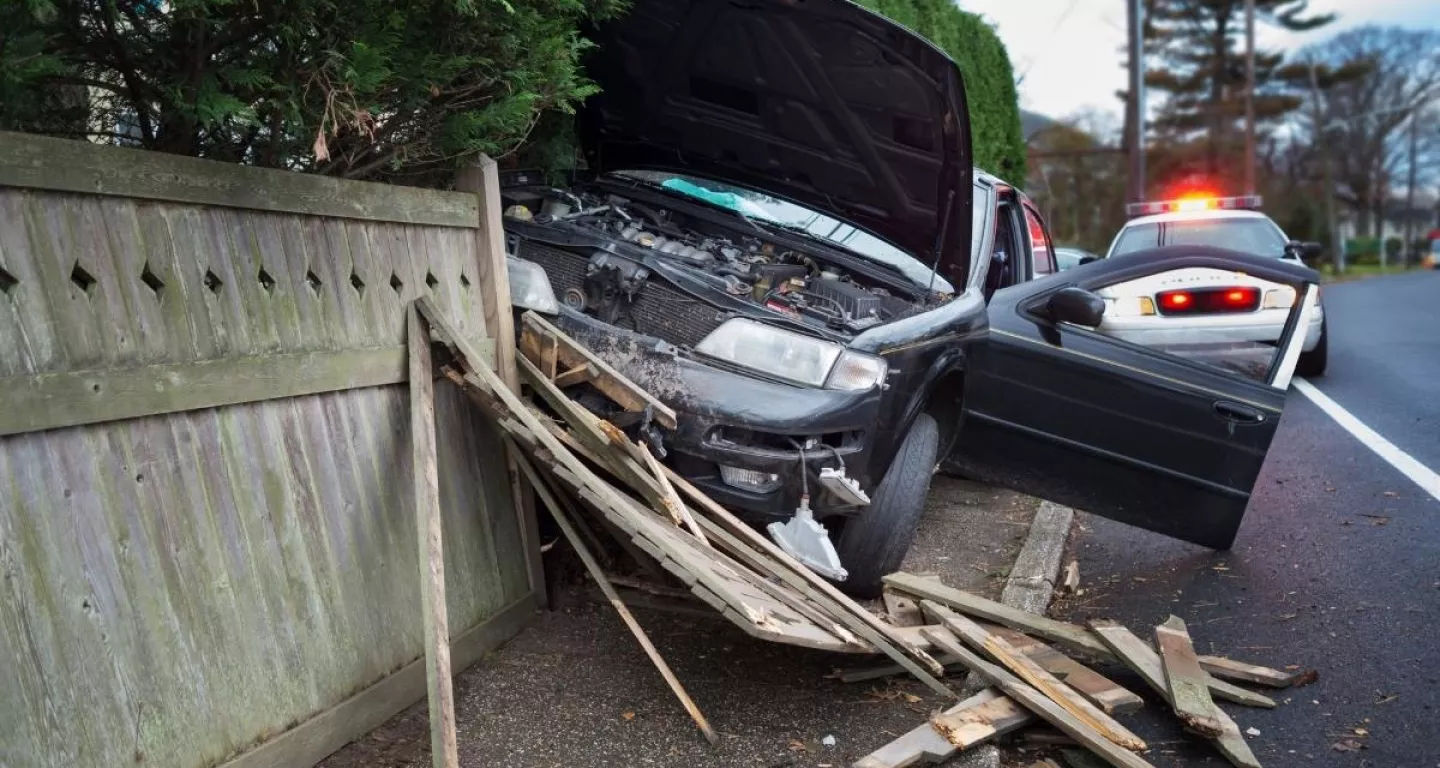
x: 1089, y: 394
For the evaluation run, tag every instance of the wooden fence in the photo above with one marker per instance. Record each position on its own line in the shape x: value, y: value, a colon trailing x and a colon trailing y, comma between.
x: 207, y: 542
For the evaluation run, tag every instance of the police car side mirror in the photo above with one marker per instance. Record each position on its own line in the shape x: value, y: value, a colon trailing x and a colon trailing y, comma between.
x: 1076, y: 305
x: 1304, y: 251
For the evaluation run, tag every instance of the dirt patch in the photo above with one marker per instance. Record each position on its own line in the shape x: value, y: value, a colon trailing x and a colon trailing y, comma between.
x: 575, y: 690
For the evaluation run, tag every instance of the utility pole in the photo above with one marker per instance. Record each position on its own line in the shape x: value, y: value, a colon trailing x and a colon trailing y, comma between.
x: 1321, y: 126
x: 1249, y: 97
x: 1135, y: 107
x: 1410, y: 189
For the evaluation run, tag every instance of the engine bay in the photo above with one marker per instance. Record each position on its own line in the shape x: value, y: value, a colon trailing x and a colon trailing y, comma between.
x: 745, y: 262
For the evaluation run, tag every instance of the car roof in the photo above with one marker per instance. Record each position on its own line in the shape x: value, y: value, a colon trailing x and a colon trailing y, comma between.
x: 1164, y: 218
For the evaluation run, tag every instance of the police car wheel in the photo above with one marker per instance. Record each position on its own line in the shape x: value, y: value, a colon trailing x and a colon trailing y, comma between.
x: 1313, y: 363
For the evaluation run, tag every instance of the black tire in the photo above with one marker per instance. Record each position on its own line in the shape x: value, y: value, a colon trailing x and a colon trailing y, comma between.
x: 874, y: 543
x: 1312, y: 363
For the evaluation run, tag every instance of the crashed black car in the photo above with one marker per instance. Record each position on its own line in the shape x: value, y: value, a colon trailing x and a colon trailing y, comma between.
x: 781, y: 237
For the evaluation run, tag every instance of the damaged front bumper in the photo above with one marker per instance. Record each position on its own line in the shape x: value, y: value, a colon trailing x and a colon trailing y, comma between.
x: 740, y: 438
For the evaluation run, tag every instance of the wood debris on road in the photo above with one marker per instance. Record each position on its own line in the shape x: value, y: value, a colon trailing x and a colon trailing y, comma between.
x: 596, y: 478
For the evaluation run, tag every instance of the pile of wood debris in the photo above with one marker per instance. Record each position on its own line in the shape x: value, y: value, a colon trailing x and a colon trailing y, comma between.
x: 593, y: 477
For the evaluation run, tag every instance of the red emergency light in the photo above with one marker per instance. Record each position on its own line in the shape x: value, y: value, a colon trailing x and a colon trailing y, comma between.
x: 1199, y: 202
x: 1209, y: 301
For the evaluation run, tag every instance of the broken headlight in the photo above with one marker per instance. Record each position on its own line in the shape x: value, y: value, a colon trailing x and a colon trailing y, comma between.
x: 530, y: 286
x: 792, y: 356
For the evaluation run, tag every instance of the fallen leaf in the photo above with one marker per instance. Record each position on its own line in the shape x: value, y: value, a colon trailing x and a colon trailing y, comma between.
x: 1252, y: 731
x: 1220, y: 568
x: 1307, y: 677
x: 1362, y: 732
x: 1377, y: 519
x: 1392, y: 494
x: 1386, y: 698
x: 1288, y: 616
x: 798, y: 746
x: 912, y: 698
x: 435, y: 91
x: 1347, y: 745
x: 321, y: 148
x: 1329, y: 489
x: 1139, y: 578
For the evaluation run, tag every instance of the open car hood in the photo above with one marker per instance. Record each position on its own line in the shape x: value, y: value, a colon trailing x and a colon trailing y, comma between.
x: 817, y: 101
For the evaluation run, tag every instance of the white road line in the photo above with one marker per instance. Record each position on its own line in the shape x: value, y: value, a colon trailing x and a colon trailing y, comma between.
x: 1422, y: 475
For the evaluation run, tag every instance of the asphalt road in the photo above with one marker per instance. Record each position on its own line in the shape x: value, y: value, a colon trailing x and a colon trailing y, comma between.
x: 1337, y: 567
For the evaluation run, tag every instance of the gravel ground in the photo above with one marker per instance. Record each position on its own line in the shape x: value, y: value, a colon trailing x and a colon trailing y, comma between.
x: 575, y: 690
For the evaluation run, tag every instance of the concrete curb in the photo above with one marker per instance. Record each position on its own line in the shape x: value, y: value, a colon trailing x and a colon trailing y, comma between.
x: 1030, y: 586
x: 1032, y: 579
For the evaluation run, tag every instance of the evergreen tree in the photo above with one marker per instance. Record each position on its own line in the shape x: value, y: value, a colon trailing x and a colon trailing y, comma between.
x: 1197, y: 62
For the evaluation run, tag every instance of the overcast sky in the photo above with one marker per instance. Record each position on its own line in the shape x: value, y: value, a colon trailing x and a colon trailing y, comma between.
x: 1070, y: 52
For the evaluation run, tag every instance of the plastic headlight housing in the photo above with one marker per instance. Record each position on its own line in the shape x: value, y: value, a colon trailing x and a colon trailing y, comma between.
x: 530, y: 286
x: 1279, y: 298
x: 1129, y: 306
x: 792, y: 356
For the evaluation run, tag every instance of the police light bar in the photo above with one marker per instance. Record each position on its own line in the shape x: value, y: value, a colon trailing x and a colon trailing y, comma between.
x: 1242, y: 203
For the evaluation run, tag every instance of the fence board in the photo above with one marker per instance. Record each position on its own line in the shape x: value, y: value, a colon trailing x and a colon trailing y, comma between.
x: 204, y: 527
x: 40, y: 162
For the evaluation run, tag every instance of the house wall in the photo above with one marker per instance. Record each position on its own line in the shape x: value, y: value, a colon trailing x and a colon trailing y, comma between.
x: 207, y: 541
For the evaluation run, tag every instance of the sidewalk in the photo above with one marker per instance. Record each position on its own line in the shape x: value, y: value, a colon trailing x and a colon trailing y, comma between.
x: 575, y: 690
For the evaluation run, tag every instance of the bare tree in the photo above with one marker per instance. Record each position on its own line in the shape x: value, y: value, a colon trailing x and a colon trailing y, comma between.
x: 1393, y: 73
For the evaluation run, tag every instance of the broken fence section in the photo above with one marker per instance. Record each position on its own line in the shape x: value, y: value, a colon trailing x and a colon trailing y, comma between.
x: 583, y: 466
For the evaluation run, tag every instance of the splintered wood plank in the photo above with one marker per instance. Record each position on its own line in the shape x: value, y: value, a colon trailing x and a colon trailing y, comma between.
x: 977, y: 719
x: 576, y: 375
x: 852, y: 614
x: 1031, y: 699
x: 608, y: 380
x: 1071, y: 636
x: 1042, y: 680
x: 1189, y: 695
x: 1109, y: 696
x: 443, y: 748
x: 902, y: 609
x: 598, y: 575
x: 1140, y: 657
x: 1219, y: 666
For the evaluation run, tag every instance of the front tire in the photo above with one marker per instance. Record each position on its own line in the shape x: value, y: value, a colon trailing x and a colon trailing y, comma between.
x: 1313, y: 363
x: 874, y: 543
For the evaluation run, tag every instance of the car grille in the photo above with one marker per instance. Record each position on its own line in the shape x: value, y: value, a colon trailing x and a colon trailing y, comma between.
x: 660, y: 310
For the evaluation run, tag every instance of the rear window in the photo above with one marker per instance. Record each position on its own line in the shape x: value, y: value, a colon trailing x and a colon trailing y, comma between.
x: 1255, y: 236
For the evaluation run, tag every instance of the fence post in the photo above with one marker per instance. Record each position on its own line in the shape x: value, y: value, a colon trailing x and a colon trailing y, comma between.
x: 482, y: 178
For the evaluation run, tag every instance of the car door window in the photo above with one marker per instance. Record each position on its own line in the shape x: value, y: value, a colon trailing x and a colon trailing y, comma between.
x: 1005, y: 265
x: 1221, y: 319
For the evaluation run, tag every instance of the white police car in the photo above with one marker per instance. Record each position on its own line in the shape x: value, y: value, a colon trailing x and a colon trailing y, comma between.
x: 1208, y: 308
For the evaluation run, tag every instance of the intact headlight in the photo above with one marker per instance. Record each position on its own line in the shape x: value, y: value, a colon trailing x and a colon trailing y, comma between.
x: 530, y: 286
x: 1129, y: 306
x: 792, y: 356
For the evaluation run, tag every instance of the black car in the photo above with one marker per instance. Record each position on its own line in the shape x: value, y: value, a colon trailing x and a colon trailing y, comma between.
x: 782, y: 237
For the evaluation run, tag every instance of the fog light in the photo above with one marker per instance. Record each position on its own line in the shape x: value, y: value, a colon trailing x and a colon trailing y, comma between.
x: 749, y: 479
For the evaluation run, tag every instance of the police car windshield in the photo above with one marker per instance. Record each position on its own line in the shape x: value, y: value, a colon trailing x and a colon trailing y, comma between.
x: 1256, y: 236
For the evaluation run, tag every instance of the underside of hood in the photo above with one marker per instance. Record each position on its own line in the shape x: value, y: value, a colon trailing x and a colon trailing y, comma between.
x: 818, y: 101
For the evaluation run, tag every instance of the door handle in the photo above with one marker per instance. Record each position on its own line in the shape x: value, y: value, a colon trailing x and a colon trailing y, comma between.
x: 1238, y: 413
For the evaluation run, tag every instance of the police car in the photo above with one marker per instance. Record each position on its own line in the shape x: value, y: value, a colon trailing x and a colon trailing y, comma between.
x: 1209, y: 307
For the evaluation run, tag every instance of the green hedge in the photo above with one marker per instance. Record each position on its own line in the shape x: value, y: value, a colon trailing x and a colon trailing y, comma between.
x: 989, y: 78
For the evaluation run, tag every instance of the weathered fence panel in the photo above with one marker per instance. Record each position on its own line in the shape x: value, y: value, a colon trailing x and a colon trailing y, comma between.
x: 206, y: 534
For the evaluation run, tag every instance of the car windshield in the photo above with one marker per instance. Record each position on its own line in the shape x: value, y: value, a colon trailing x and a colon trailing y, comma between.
x: 1256, y: 236
x: 755, y: 205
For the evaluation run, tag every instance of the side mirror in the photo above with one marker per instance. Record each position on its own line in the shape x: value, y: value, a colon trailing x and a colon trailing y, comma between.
x: 1076, y: 305
x: 1304, y: 251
